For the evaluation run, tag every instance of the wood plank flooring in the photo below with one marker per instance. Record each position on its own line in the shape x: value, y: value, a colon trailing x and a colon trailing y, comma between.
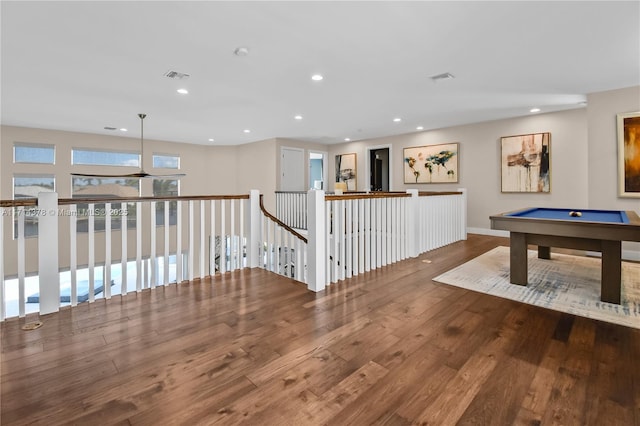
x: 387, y: 347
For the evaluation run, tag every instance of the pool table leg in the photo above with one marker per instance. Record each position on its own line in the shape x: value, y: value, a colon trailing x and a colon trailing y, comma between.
x: 611, y: 271
x: 544, y: 252
x: 518, y: 261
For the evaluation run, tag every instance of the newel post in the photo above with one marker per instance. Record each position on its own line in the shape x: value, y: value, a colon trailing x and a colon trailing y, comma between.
x: 413, y: 223
x: 463, y: 215
x: 253, y: 219
x: 49, y: 278
x: 316, y: 241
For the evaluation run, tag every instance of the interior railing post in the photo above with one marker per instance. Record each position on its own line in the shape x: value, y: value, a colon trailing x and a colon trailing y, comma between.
x: 412, y: 230
x: 2, y: 295
x: 316, y: 240
x: 463, y: 216
x: 254, y: 237
x: 49, y: 278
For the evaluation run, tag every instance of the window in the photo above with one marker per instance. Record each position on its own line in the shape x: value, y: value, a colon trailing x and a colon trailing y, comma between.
x: 104, y: 158
x: 166, y: 188
x: 85, y: 187
x: 166, y: 161
x: 33, y: 153
x: 29, y: 186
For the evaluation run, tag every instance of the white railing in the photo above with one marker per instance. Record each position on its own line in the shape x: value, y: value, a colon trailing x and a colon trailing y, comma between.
x: 71, y: 259
x: 282, y: 249
x: 291, y: 208
x: 442, y: 219
x: 83, y: 256
x: 365, y: 232
x: 351, y: 234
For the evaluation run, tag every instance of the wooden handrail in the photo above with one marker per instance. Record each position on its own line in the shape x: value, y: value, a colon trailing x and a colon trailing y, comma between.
x: 361, y: 195
x: 30, y: 202
x: 435, y: 193
x: 281, y: 223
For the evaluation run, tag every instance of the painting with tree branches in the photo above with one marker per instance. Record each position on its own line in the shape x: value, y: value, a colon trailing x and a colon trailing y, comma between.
x: 431, y: 164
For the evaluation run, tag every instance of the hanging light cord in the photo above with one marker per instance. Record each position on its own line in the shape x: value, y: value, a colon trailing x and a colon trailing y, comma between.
x: 142, y: 116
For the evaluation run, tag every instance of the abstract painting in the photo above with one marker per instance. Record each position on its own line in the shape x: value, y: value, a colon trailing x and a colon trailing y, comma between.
x: 629, y: 155
x: 526, y: 163
x: 346, y: 170
x: 431, y: 164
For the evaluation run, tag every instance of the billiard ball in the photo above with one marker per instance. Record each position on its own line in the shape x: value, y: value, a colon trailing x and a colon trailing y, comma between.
x: 575, y: 214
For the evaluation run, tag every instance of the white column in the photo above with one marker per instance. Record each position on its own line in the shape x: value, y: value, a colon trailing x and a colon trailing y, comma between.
x: 2, y: 296
x: 49, y: 278
x: 253, y: 219
x: 463, y: 216
x: 412, y: 228
x: 316, y: 240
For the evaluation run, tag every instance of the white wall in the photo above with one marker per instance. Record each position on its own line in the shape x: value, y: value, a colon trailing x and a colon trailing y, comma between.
x: 208, y: 171
x: 583, y: 160
x: 256, y: 168
x: 602, y: 144
x: 479, y: 160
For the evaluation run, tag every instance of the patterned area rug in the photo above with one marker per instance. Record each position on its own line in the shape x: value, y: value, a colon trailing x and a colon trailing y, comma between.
x: 564, y: 283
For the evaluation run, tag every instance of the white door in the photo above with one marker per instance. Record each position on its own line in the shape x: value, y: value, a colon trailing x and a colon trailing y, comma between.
x: 292, y: 166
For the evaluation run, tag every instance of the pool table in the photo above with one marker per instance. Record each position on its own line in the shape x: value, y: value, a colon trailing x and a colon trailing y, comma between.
x: 581, y: 229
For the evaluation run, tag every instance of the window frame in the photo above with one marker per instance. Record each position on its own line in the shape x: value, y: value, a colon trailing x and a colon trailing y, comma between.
x: 106, y: 151
x: 163, y: 154
x: 36, y: 145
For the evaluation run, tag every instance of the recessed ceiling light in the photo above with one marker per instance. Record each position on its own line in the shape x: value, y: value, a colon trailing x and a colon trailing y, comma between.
x: 443, y: 76
x: 317, y: 77
x: 210, y: 139
x: 397, y: 120
x: 534, y: 110
x: 123, y: 130
x: 247, y: 131
x: 347, y: 139
x: 183, y: 91
x: 419, y: 128
x: 298, y: 117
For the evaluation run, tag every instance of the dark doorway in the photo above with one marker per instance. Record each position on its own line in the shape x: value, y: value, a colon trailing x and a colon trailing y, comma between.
x: 379, y: 173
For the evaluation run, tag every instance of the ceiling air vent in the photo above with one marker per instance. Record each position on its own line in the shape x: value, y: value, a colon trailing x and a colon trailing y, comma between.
x: 443, y: 76
x: 176, y: 74
x: 109, y: 128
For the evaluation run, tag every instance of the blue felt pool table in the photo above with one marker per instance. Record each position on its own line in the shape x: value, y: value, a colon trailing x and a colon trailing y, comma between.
x: 582, y: 229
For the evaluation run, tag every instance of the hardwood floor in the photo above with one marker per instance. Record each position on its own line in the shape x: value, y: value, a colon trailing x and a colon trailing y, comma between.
x: 388, y: 347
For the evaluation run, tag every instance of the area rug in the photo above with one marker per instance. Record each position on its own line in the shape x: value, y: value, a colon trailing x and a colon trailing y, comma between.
x: 564, y: 283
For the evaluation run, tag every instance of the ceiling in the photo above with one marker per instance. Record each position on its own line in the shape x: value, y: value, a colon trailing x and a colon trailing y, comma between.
x: 81, y: 66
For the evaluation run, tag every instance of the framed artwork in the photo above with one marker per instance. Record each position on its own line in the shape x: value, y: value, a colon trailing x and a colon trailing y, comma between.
x: 526, y: 163
x: 629, y: 155
x: 431, y: 164
x: 346, y: 170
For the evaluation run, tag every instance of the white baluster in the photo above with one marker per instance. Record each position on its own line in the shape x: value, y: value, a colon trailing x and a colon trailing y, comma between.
x: 223, y: 238
x: 191, y: 242
x: 203, y: 238
x: 21, y: 261
x: 348, y: 239
x: 138, y: 247
x: 165, y: 260
x: 73, y: 252
x: 106, y: 272
x: 92, y: 254
x: 179, y: 263
x: 153, y: 264
x: 124, y: 219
